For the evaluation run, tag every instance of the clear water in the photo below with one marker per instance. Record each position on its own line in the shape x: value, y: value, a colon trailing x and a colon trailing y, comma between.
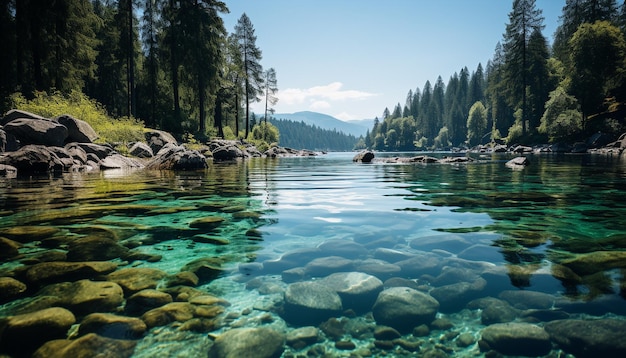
x: 527, y: 222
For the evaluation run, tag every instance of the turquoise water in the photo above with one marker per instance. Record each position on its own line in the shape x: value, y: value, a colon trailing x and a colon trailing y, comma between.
x: 538, y: 229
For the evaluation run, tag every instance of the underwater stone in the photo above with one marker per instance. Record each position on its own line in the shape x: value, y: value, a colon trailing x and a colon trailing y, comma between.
x: 344, y: 248
x: 8, y: 248
x: 517, y: 339
x: 523, y: 299
x: 449, y: 242
x: 404, y: 308
x: 494, y: 310
x: 420, y: 264
x: 261, y: 342
x: 94, y: 249
x: 391, y: 255
x: 171, y: 312
x: 182, y: 278
x: 85, y: 296
x: 302, y: 337
x: 207, y: 223
x: 386, y: 333
x: 90, y: 345
x: 357, y: 290
x: 10, y: 289
x: 22, y: 334
x: 379, y: 268
x: 589, y: 338
x: 324, y: 266
x: 454, y: 297
x: 112, y: 326
x: 310, y: 302
x: 206, y: 268
x: 586, y: 264
x: 291, y: 259
x: 146, y: 300
x: 135, y: 279
x: 49, y: 272
x: 26, y: 234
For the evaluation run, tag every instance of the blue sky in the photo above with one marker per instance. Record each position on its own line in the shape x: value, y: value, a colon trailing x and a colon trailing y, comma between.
x: 352, y: 58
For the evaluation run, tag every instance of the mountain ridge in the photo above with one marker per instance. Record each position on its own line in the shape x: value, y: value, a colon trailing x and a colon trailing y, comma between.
x: 326, y: 121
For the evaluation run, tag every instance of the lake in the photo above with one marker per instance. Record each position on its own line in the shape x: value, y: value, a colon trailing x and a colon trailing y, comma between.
x: 492, y: 245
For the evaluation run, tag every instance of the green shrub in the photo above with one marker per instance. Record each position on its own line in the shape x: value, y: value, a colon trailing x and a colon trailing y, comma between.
x: 80, y: 106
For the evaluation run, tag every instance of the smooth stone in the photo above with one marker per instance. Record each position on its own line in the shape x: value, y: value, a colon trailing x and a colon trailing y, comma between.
x: 10, y: 289
x: 166, y: 314
x: 37, y: 131
x: 386, y: 333
x: 517, y: 339
x: 145, y: 300
x: 481, y: 252
x: 324, y: 266
x: 449, y: 242
x: 420, y: 264
x: 77, y: 129
x: 309, y: 303
x: 450, y: 275
x: 260, y: 342
x: 494, y: 310
x: 391, y: 255
x: 182, y: 278
x: 25, y: 234
x: 344, y: 248
x: 401, y: 282
x: 8, y: 248
x: 85, y: 296
x: 112, y: 326
x: 206, y: 268
x: 379, y: 268
x: 524, y: 300
x: 135, y: 279
x: 357, y: 290
x: 207, y: 223
x: 50, y: 272
x: 94, y: 249
x: 597, y: 261
x: 141, y: 150
x: 294, y: 275
x: 455, y: 296
x: 465, y: 340
x: 345, y: 345
x: 291, y: 259
x: 302, y: 337
x: 22, y: 334
x: 589, y: 338
x: 404, y: 308
x: 90, y: 345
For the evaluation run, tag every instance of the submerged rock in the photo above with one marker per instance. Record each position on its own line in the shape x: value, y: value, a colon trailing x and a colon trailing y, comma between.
x: 310, y: 303
x: 90, y: 345
x: 10, y: 289
x: 50, y: 272
x: 518, y: 163
x: 404, y: 308
x: 589, y: 338
x: 85, y: 296
x: 516, y: 339
x: 135, y: 279
x: 22, y: 334
x: 112, y: 326
x: 357, y: 290
x: 259, y: 342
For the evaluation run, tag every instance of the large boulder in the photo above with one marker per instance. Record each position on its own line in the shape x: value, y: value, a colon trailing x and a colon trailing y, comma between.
x: 157, y: 139
x: 112, y: 326
x: 16, y: 114
x: 90, y: 345
x: 175, y: 157
x: 364, y: 157
x: 589, y: 338
x: 135, y: 279
x: 309, y: 303
x: 404, y: 308
x: 227, y: 152
x: 22, y: 334
x: 77, y: 129
x: 10, y: 289
x: 85, y: 296
x: 357, y: 290
x: 37, y: 131
x: 50, y: 272
x: 517, y: 339
x: 118, y: 161
x: 100, y: 151
x: 141, y: 150
x: 260, y: 342
x: 34, y: 159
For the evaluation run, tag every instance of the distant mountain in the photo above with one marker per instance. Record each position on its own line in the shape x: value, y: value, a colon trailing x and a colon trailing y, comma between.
x: 324, y: 121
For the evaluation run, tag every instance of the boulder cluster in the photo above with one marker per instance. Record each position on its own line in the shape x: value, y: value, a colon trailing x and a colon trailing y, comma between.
x: 30, y: 143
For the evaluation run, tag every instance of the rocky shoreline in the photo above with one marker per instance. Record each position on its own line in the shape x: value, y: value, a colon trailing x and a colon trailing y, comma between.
x: 30, y: 143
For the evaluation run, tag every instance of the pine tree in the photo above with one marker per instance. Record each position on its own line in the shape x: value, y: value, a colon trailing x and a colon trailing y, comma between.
x: 252, y: 69
x: 270, y: 89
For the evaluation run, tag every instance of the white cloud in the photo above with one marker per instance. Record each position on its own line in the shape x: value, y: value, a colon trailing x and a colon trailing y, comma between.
x: 318, y: 105
x: 344, y: 116
x: 329, y: 92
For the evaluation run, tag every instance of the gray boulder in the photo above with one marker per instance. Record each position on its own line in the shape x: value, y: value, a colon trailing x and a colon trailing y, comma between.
x: 17, y: 113
x: 309, y: 303
x: 519, y: 339
x: 35, y: 159
x: 37, y: 131
x: 261, y: 342
x: 227, y: 152
x: 100, y: 151
x: 157, y: 139
x: 404, y: 308
x: 118, y: 161
x: 364, y: 157
x: 175, y: 157
x: 357, y: 290
x: 77, y: 129
x: 589, y: 338
x: 518, y: 163
x: 141, y: 150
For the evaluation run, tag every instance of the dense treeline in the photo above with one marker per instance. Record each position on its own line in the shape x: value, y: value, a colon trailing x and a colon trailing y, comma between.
x: 299, y: 135
x: 175, y: 67
x: 528, y: 92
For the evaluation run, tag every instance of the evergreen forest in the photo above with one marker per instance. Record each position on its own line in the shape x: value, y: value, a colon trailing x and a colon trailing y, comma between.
x: 530, y: 91
x: 299, y: 135
x: 172, y: 65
